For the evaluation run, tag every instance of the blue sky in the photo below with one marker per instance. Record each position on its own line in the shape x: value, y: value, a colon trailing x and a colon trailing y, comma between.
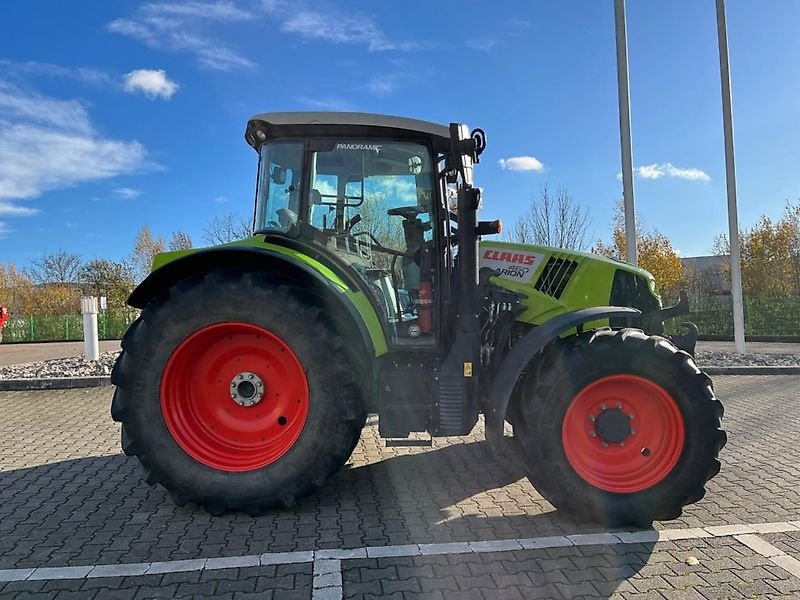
x: 118, y: 114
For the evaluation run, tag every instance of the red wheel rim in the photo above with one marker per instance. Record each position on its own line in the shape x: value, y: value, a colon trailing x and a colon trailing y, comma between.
x: 648, y: 434
x: 197, y: 385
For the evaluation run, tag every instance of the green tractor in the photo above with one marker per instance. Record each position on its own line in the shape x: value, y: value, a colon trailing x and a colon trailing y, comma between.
x: 366, y: 287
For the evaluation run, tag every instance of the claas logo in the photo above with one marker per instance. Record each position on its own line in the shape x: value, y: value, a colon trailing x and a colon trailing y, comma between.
x: 509, y: 257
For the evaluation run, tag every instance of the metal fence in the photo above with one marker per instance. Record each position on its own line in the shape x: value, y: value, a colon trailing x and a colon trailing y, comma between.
x: 64, y: 328
x: 713, y: 315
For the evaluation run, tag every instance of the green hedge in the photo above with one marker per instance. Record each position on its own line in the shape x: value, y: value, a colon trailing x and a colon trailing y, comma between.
x: 64, y: 328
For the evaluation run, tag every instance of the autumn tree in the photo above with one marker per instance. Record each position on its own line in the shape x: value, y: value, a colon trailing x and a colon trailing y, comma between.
x: 144, y: 251
x: 57, y: 267
x: 654, y: 250
x: 101, y: 277
x: 180, y: 240
x: 227, y: 228
x: 54, y: 277
x: 553, y: 220
x: 770, y: 255
x: 16, y: 290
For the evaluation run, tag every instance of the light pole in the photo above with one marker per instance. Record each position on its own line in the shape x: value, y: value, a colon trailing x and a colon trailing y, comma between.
x: 625, y: 130
x: 730, y: 179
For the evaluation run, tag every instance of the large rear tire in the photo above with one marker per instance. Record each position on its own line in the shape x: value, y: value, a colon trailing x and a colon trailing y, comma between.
x: 235, y: 393
x: 618, y: 428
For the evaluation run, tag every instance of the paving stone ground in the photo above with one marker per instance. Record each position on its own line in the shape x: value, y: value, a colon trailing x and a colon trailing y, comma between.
x: 68, y: 498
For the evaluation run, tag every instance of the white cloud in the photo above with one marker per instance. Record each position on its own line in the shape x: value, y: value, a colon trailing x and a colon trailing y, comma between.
x: 9, y: 209
x: 127, y: 193
x: 47, y: 144
x: 152, y: 83
x: 656, y: 171
x: 180, y: 27
x: 334, y: 27
x: 221, y: 200
x: 330, y: 103
x: 383, y: 85
x: 482, y: 44
x: 521, y: 163
x: 215, y: 11
x: 83, y: 74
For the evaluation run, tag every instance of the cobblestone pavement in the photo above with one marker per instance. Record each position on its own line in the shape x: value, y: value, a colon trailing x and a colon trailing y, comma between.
x: 69, y: 498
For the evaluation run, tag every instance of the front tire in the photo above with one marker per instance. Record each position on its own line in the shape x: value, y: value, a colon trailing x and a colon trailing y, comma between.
x: 234, y: 393
x: 618, y: 428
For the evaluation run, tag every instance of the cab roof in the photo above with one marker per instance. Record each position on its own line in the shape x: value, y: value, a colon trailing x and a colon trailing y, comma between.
x: 350, y: 124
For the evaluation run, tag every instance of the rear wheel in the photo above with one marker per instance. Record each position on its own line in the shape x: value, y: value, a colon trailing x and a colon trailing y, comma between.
x: 234, y: 393
x: 619, y: 428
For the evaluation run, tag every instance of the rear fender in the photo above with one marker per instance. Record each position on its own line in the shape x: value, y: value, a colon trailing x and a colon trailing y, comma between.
x: 294, y: 269
x: 509, y: 371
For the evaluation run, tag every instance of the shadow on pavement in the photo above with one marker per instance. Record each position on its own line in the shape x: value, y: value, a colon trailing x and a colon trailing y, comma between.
x: 98, y: 510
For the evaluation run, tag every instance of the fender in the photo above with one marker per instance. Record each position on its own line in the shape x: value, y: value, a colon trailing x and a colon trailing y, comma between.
x: 265, y: 258
x: 510, y: 370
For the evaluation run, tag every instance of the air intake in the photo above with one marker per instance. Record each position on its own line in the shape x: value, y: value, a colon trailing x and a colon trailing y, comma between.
x: 555, y: 276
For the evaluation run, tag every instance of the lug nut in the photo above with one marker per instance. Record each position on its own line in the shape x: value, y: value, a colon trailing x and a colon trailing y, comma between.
x: 633, y: 431
x: 604, y: 444
x: 619, y: 405
x: 630, y: 416
x: 593, y: 433
x: 592, y: 418
x: 602, y: 407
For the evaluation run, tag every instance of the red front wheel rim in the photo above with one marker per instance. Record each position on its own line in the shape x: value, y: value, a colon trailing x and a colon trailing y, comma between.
x: 234, y: 396
x: 623, y: 434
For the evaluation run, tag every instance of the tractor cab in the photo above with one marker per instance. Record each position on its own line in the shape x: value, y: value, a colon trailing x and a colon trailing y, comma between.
x: 365, y: 192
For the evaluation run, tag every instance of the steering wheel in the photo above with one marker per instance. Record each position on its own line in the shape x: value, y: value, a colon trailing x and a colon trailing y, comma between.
x: 407, y: 212
x: 273, y: 224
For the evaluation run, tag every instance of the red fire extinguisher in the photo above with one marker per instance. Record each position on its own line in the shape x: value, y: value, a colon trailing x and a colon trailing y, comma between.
x: 425, y: 307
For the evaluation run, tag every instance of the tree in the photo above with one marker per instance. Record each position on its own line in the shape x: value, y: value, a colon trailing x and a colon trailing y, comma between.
x: 180, y: 241
x: 16, y: 290
x: 770, y: 255
x: 557, y: 221
x: 101, y: 277
x: 654, y: 250
x: 144, y: 251
x: 227, y: 228
x: 58, y: 267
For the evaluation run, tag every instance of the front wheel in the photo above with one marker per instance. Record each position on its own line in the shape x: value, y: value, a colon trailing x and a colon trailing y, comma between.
x: 619, y: 427
x: 235, y: 393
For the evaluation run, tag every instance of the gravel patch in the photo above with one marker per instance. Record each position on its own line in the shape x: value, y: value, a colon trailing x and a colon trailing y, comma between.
x: 731, y: 359
x: 80, y: 367
x: 61, y: 367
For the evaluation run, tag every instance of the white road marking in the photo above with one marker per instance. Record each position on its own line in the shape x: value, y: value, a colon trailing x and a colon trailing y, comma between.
x: 327, y: 583
x: 767, y: 550
x: 327, y: 562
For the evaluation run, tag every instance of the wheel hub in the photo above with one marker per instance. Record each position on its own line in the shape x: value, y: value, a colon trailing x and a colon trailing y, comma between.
x: 247, y: 389
x: 613, y: 426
